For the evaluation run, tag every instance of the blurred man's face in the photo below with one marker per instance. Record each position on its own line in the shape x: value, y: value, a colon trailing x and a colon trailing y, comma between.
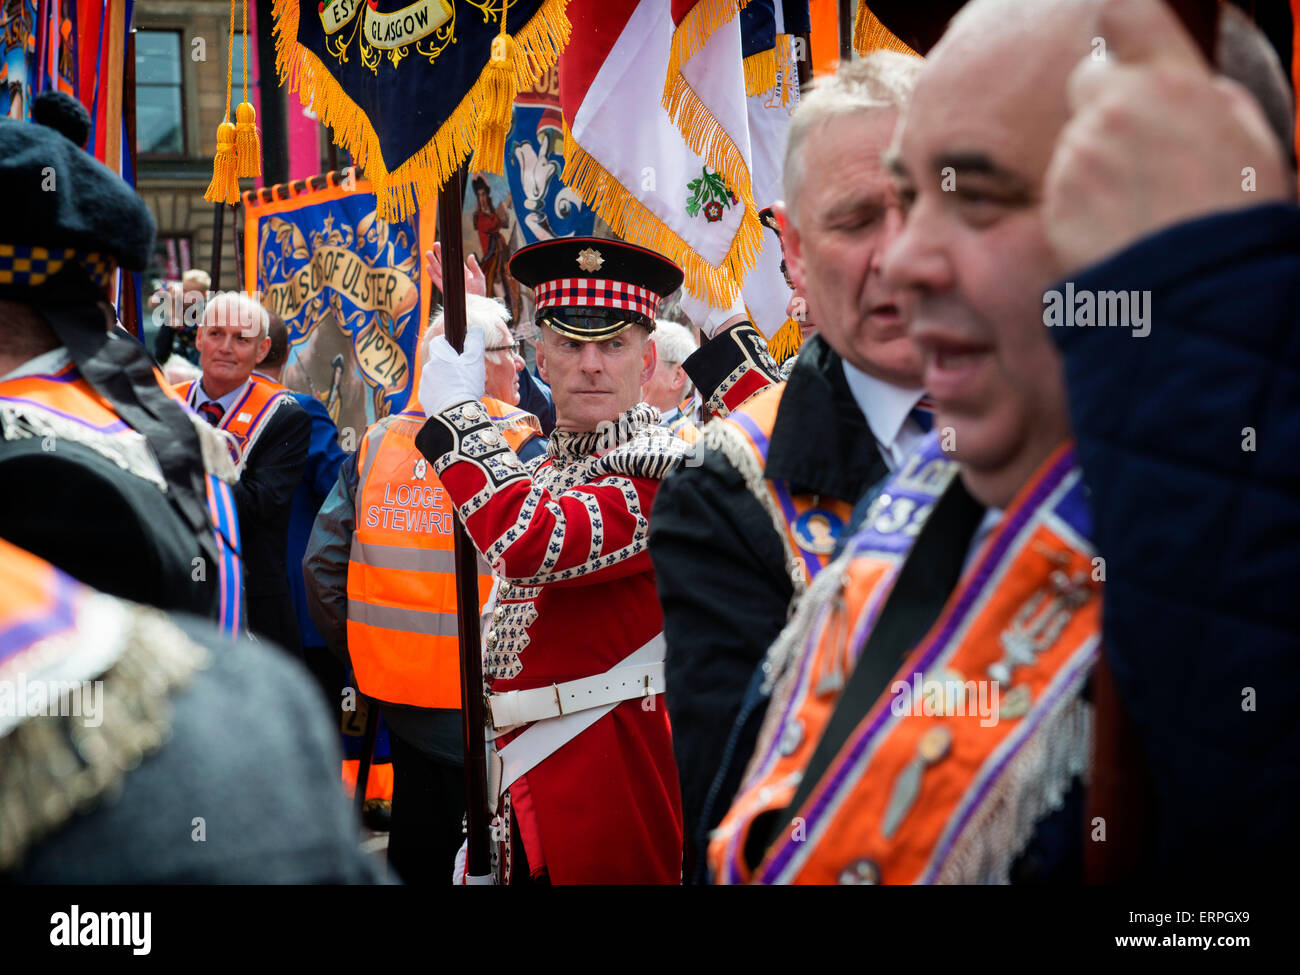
x: 846, y: 215
x: 974, y: 254
x: 230, y: 345
x: 594, y: 382
x: 501, y: 367
x: 664, y: 391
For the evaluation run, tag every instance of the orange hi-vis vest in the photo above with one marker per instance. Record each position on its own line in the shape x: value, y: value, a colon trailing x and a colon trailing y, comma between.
x: 403, y: 635
x: 808, y: 524
x: 247, y: 417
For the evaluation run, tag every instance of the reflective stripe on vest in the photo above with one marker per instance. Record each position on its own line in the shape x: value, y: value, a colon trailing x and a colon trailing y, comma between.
x: 811, y: 522
x: 403, y: 633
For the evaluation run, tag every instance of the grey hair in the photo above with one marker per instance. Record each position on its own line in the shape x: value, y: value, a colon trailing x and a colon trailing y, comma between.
x: 881, y: 80
x: 674, y: 343
x: 480, y: 313
x: 1245, y: 54
x: 246, y: 311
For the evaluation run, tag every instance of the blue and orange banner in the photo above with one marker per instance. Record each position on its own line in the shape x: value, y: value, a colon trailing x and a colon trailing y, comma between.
x: 351, y: 288
x: 410, y: 89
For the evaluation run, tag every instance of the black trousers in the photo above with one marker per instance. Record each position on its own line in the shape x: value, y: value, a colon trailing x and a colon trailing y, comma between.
x: 428, y: 805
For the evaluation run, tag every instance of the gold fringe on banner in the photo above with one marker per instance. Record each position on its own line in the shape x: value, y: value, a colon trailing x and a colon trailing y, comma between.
x: 703, y: 133
x: 869, y: 34
x: 414, y: 182
x: 633, y: 222
x: 760, y: 72
x: 785, y: 341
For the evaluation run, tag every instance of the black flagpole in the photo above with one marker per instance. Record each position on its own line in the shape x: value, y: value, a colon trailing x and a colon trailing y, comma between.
x: 471, y: 660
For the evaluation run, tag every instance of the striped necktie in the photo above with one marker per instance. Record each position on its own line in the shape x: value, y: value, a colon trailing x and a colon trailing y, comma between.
x: 923, y: 414
x: 212, y: 412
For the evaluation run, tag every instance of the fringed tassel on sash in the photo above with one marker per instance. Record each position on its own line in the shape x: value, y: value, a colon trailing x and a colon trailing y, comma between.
x: 128, y: 450
x: 1032, y: 786
x: 536, y: 48
x: 52, y: 767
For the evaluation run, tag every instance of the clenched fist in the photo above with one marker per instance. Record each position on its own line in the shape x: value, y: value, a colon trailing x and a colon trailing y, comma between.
x: 1154, y: 139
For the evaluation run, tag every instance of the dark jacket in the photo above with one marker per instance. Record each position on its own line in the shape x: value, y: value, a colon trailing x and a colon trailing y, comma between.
x: 102, y: 525
x: 252, y: 759
x: 1188, y: 438
x: 321, y: 470
x: 263, y: 496
x: 722, y: 577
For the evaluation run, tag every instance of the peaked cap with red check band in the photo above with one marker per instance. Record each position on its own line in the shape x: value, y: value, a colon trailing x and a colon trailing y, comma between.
x: 591, y: 288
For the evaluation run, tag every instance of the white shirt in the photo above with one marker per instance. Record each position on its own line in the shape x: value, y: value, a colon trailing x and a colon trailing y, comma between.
x: 44, y: 364
x: 887, y: 409
x: 199, y: 396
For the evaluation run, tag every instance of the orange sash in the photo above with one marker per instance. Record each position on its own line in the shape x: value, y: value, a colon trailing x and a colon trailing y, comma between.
x: 247, y: 416
x: 983, y: 728
x: 811, y: 524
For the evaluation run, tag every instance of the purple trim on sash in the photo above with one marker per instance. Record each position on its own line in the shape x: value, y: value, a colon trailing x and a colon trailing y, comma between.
x: 68, y: 374
x: 899, y: 542
x: 117, y: 426
x: 995, y: 551
x: 20, y: 636
x: 813, y: 562
x: 760, y: 439
x: 1073, y: 509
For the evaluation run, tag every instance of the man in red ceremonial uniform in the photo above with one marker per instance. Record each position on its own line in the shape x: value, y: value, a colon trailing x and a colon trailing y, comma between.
x: 581, y: 771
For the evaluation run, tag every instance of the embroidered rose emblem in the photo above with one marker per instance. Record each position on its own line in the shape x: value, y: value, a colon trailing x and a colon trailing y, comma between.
x: 713, y: 211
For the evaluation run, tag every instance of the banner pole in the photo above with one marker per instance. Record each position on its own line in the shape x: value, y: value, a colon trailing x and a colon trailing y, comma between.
x: 478, y: 863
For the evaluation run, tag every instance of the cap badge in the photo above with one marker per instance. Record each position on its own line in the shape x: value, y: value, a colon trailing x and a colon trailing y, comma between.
x: 589, y: 259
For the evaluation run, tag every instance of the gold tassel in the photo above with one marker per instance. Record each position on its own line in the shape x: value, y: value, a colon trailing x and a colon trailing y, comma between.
x: 248, y: 143
x: 224, y: 187
x: 869, y: 34
x: 785, y: 341
x: 498, y: 106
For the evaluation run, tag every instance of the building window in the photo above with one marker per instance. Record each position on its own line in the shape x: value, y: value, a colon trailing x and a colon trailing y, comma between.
x: 237, y: 72
x: 172, y: 257
x: 160, y: 120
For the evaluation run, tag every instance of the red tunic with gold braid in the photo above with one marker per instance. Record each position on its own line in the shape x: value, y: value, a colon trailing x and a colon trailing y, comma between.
x: 578, y: 598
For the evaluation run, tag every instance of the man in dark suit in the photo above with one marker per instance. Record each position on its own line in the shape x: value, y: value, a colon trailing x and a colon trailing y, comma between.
x: 102, y: 472
x: 321, y: 470
x: 270, y: 434
x: 737, y: 537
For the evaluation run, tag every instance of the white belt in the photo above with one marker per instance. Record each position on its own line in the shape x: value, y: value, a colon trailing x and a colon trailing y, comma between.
x: 639, y: 674
x: 514, y: 708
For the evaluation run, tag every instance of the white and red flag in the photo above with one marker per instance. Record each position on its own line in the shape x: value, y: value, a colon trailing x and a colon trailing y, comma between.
x: 657, y: 134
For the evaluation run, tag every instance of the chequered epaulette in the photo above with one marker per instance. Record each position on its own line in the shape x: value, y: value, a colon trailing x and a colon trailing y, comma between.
x: 652, y: 452
x: 476, y: 439
x: 730, y: 368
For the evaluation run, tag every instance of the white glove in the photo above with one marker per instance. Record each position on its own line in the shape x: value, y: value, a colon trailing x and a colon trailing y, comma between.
x: 449, y: 378
x: 712, y: 320
x: 458, y: 870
